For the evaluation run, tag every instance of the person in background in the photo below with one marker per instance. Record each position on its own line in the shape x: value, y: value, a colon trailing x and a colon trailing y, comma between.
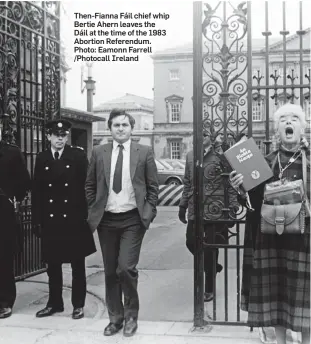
x: 242, y: 137
x: 122, y: 193
x: 276, y: 268
x: 14, y: 184
x: 59, y: 215
x: 210, y: 161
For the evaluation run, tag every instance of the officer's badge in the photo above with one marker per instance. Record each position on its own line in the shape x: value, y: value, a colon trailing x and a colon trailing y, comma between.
x: 60, y: 125
x: 46, y: 168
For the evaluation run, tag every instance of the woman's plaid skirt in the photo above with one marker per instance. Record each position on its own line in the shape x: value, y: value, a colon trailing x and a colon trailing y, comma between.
x: 276, y: 280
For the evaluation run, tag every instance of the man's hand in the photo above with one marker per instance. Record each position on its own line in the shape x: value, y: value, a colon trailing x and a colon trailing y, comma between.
x: 182, y: 215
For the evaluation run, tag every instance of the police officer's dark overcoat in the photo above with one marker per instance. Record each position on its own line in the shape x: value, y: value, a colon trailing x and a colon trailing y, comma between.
x: 59, y: 205
x: 14, y: 182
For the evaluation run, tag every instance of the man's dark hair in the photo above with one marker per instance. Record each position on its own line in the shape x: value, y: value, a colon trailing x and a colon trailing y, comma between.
x: 118, y: 112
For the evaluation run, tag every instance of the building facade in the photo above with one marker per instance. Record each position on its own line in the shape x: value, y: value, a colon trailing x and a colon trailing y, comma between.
x: 139, y: 107
x: 173, y: 91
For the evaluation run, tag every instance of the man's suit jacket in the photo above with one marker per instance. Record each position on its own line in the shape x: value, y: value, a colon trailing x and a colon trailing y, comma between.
x: 144, y: 177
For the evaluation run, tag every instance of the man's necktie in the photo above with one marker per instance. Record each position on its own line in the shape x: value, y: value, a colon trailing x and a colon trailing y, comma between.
x: 56, y: 155
x: 117, y: 178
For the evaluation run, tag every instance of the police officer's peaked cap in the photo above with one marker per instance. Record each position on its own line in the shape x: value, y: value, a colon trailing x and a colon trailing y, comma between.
x: 58, y: 126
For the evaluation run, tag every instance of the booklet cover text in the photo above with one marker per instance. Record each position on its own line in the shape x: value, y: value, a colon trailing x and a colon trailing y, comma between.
x: 247, y: 159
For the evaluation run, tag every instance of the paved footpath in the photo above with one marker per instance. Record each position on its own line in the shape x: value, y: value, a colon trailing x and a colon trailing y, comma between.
x: 166, y: 294
x: 23, y: 327
x: 26, y: 329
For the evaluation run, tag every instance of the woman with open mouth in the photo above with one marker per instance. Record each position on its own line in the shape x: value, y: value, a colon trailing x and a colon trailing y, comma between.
x: 276, y: 268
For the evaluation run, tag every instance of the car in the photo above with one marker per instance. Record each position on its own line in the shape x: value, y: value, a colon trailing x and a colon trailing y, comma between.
x: 171, y: 171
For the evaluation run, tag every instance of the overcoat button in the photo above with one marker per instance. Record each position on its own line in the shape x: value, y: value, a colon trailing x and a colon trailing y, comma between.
x: 67, y: 166
x: 66, y: 184
x: 65, y: 215
x: 50, y: 185
x: 51, y: 201
x: 65, y: 201
x: 46, y: 168
x: 51, y: 215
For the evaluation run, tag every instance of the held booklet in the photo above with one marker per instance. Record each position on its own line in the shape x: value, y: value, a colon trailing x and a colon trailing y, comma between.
x: 246, y: 158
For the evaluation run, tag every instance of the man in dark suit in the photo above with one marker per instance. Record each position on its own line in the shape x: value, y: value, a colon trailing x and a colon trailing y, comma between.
x: 59, y: 214
x: 122, y: 193
x: 14, y: 183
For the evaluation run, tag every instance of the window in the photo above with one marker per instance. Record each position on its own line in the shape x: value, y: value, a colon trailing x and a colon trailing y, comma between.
x: 174, y: 74
x: 175, y: 109
x: 259, y: 144
x: 257, y: 110
x: 175, y: 150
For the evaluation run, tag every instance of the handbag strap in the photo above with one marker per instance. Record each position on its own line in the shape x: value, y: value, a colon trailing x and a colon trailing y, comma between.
x: 304, y: 178
x: 304, y: 168
x: 279, y: 219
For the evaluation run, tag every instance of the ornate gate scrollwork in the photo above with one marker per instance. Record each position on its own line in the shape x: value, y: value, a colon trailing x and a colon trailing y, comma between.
x: 29, y: 92
x: 231, y: 99
x: 224, y: 69
x: 29, y: 65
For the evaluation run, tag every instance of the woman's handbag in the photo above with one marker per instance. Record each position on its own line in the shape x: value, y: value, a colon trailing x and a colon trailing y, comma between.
x: 284, y: 218
x: 288, y: 217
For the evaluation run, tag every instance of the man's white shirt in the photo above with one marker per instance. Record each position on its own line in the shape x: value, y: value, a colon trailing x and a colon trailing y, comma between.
x: 125, y: 200
x: 59, y: 151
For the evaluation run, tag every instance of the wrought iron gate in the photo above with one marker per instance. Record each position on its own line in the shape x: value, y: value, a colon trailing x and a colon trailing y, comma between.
x: 29, y: 93
x: 229, y: 91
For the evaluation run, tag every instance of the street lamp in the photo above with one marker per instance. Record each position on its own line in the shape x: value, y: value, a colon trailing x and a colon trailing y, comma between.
x: 89, y: 86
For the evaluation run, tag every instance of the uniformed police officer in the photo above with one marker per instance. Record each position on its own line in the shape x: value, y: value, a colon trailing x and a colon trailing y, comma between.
x: 14, y: 183
x: 59, y: 213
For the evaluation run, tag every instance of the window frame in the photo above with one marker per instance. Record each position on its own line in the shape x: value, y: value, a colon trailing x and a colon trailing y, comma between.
x: 260, y: 110
x: 171, y: 73
x: 170, y: 102
x: 172, y: 151
x: 171, y: 113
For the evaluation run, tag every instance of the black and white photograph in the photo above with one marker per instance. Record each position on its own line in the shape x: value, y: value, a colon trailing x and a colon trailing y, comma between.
x: 155, y: 172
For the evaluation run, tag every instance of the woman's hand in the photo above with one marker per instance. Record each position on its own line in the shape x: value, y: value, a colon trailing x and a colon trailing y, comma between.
x: 304, y: 143
x: 236, y: 180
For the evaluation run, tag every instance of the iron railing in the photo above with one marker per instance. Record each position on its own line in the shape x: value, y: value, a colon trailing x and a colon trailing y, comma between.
x: 29, y: 94
x: 230, y: 98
